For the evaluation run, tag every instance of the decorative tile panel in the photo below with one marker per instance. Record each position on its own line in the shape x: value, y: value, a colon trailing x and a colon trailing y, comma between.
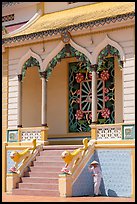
x: 104, y: 133
x: 10, y: 162
x: 30, y: 135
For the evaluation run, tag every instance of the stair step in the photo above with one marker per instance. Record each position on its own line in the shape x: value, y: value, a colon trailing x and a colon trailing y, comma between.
x: 36, y: 192
x: 47, y: 169
x: 39, y: 180
x: 41, y: 186
x: 42, y: 174
x: 48, y: 163
x: 49, y: 158
x: 51, y: 153
x: 61, y: 147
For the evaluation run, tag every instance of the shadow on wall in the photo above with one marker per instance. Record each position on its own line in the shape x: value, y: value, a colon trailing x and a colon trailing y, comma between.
x: 112, y: 193
x: 102, y: 188
x: 102, y: 185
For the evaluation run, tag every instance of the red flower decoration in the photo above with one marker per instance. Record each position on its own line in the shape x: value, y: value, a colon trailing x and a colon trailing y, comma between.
x: 106, y: 90
x: 79, y: 114
x: 105, y: 113
x: 78, y: 92
x: 104, y: 75
x: 106, y: 98
x: 79, y: 77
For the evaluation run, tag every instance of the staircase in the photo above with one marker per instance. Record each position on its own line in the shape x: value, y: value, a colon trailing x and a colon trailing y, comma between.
x: 42, y: 179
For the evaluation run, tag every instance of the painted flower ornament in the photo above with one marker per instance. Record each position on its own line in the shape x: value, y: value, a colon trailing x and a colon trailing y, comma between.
x: 104, y: 75
x: 66, y: 171
x: 79, y: 115
x: 79, y: 77
x: 105, y: 113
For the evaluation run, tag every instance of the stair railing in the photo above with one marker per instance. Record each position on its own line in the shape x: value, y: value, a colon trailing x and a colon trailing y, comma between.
x: 22, y: 162
x: 24, y: 166
x: 74, y: 163
x: 85, y: 155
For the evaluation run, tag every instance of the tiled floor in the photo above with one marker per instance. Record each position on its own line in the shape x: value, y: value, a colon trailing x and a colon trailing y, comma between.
x: 18, y: 198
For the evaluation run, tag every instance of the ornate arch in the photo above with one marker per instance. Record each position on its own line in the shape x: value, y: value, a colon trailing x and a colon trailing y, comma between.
x: 30, y: 58
x: 102, y: 45
x: 63, y: 51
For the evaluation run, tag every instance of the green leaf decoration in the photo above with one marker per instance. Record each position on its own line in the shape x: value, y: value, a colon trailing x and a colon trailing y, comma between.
x: 76, y: 86
x: 109, y: 104
x: 75, y: 106
x: 108, y: 84
x: 81, y: 122
x: 102, y: 120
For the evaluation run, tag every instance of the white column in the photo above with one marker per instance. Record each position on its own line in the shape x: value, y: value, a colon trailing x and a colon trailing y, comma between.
x: 44, y: 100
x: 19, y: 119
x: 94, y: 93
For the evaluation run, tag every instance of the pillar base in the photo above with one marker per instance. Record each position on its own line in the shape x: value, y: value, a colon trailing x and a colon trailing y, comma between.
x: 45, y: 143
x: 65, y: 185
x: 44, y: 125
x: 12, y: 179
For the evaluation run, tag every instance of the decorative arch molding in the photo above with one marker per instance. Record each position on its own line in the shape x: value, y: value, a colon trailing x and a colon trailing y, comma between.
x: 52, y: 55
x: 29, y: 54
x: 81, y: 49
x: 59, y: 47
x: 102, y: 45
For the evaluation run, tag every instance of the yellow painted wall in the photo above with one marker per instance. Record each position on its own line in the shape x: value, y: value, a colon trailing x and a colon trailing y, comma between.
x: 57, y: 98
x: 118, y: 94
x: 31, y: 98
x: 4, y: 111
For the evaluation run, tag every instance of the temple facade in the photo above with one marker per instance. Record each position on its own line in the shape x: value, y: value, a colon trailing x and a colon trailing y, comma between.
x: 68, y: 72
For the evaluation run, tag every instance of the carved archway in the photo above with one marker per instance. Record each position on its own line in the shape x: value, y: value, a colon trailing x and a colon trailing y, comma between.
x: 102, y: 45
x: 30, y: 57
x: 66, y: 50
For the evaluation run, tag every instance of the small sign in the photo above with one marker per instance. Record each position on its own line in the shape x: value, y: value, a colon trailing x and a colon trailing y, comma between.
x: 128, y: 131
x: 12, y: 135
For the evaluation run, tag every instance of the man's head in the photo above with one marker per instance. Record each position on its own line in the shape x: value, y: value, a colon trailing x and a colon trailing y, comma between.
x: 94, y: 163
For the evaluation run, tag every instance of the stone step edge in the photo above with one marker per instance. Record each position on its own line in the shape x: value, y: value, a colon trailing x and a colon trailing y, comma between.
x: 39, y: 177
x: 33, y: 189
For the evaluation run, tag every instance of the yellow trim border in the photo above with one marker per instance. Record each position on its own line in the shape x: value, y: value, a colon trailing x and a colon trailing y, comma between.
x: 133, y: 173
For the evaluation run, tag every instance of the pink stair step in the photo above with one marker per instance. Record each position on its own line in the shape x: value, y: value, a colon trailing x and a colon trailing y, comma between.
x: 49, y: 158
x: 38, y: 186
x: 61, y: 147
x: 43, y: 174
x: 51, y: 153
x: 48, y: 163
x: 36, y: 192
x: 47, y: 169
x: 39, y: 180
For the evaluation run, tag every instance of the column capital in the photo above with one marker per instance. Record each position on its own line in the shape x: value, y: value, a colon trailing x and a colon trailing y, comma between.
x: 121, y: 63
x: 20, y: 77
x: 43, y: 74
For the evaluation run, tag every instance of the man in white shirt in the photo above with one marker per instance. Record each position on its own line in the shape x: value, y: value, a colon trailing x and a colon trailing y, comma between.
x: 94, y: 168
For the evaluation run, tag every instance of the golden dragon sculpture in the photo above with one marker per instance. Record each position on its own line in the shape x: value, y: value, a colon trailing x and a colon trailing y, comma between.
x: 18, y: 157
x: 73, y: 157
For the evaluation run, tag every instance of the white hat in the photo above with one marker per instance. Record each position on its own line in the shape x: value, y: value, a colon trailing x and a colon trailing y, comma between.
x: 94, y: 162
